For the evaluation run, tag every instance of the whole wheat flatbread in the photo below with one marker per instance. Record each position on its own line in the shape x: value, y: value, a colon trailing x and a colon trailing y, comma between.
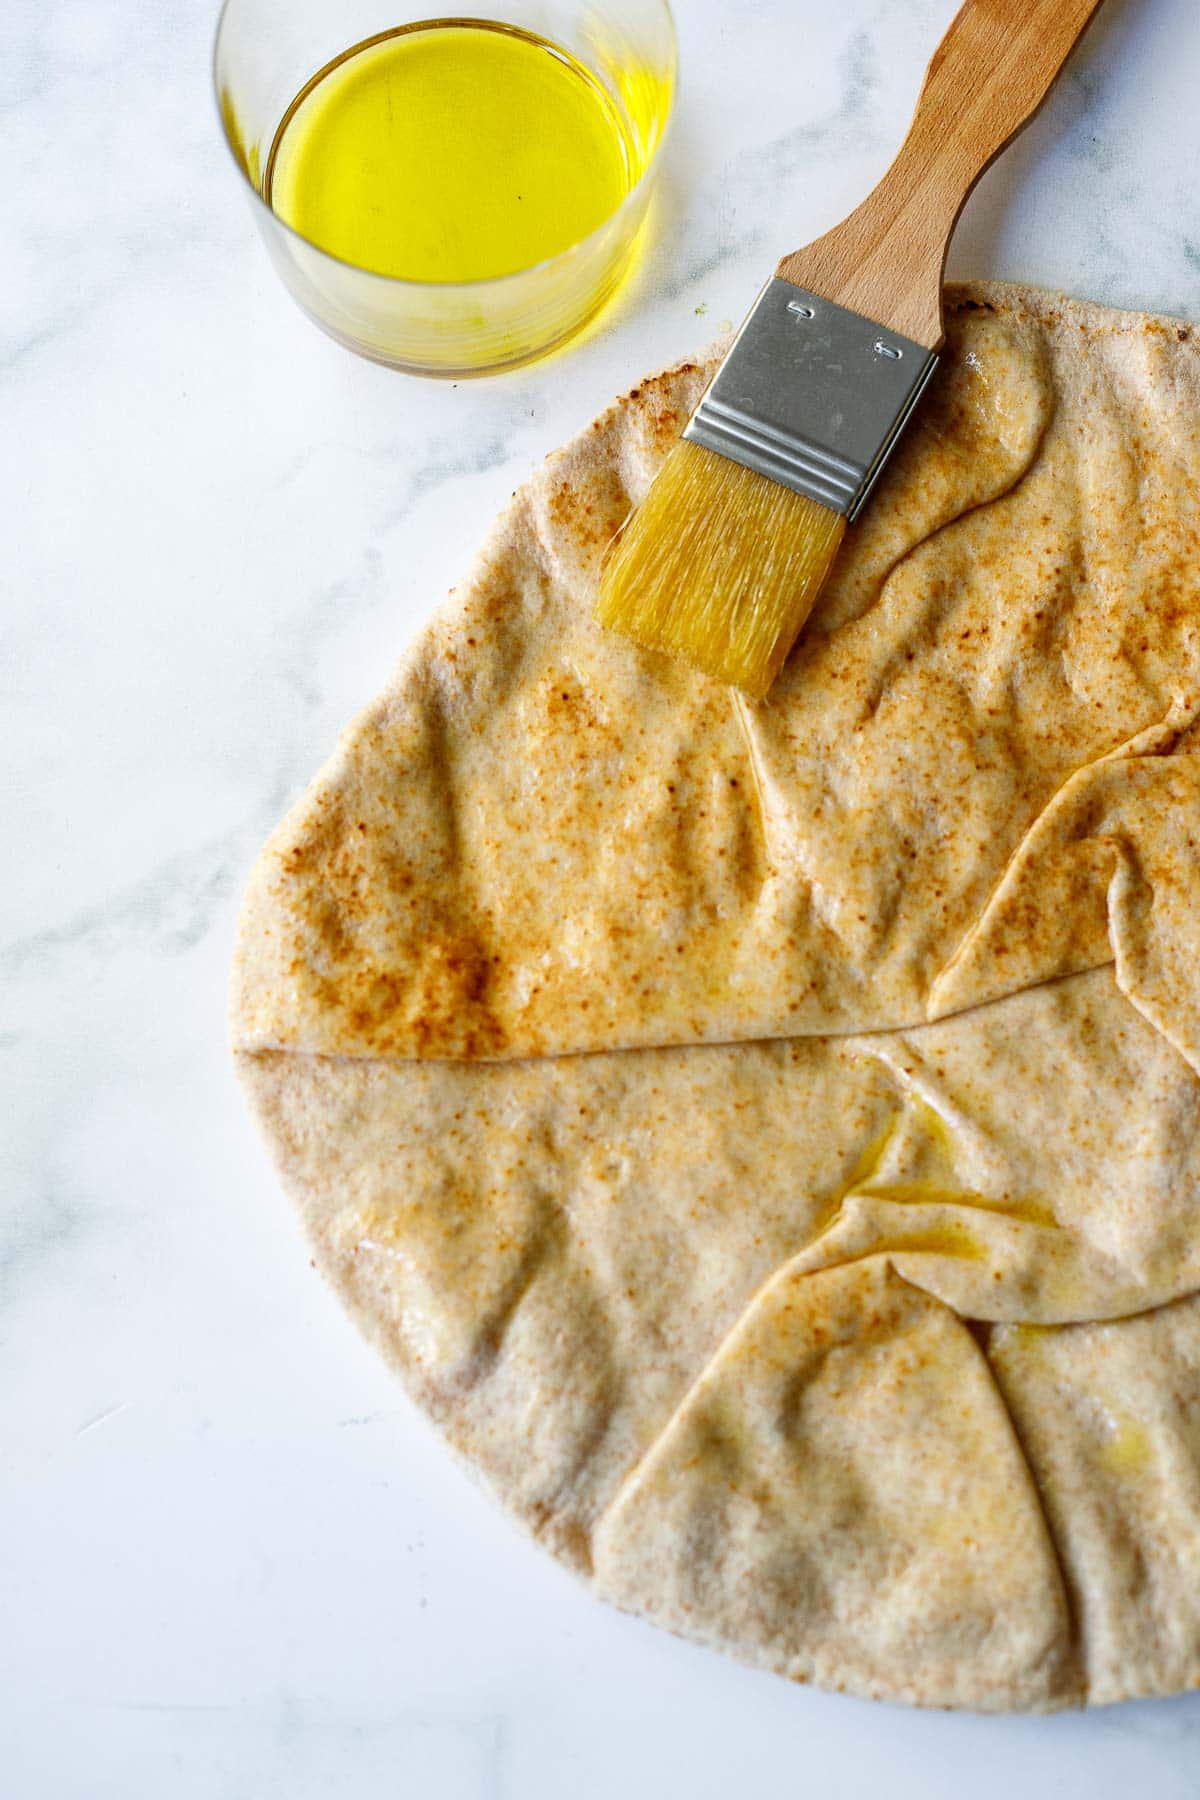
x: 766, y: 1138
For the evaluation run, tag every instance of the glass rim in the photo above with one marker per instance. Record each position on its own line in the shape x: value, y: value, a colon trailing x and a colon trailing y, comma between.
x: 484, y: 282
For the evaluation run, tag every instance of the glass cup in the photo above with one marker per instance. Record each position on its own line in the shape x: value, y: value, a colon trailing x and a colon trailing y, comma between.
x: 266, y: 50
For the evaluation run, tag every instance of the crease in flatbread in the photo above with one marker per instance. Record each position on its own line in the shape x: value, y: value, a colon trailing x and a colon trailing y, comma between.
x: 842, y: 1498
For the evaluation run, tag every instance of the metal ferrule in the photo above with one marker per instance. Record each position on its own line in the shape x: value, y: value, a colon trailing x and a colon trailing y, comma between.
x: 812, y: 395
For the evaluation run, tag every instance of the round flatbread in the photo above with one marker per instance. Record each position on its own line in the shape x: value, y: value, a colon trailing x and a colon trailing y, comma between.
x: 766, y: 1138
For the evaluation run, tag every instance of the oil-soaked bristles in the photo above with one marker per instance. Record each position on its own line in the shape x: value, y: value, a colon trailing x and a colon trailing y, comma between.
x: 719, y: 565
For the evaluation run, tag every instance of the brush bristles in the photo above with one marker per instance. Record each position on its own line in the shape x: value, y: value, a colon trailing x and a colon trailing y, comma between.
x: 719, y: 565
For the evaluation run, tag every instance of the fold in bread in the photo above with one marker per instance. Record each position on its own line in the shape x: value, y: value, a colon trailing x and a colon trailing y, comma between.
x: 766, y: 1139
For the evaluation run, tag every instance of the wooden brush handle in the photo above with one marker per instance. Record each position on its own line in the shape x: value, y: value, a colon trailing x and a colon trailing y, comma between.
x: 987, y: 78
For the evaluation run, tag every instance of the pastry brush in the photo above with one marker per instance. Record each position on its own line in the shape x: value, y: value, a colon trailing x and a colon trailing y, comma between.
x: 724, y: 559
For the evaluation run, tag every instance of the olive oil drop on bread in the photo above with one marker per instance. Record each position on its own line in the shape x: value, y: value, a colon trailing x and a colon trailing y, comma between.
x: 724, y: 560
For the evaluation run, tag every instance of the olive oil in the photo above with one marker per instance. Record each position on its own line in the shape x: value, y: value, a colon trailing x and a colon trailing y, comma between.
x: 450, y: 151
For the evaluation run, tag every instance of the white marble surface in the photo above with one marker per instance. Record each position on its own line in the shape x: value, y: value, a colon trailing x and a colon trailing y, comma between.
x: 233, y: 1562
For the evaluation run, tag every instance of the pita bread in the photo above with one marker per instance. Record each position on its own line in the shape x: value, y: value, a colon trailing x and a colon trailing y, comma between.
x: 766, y: 1138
